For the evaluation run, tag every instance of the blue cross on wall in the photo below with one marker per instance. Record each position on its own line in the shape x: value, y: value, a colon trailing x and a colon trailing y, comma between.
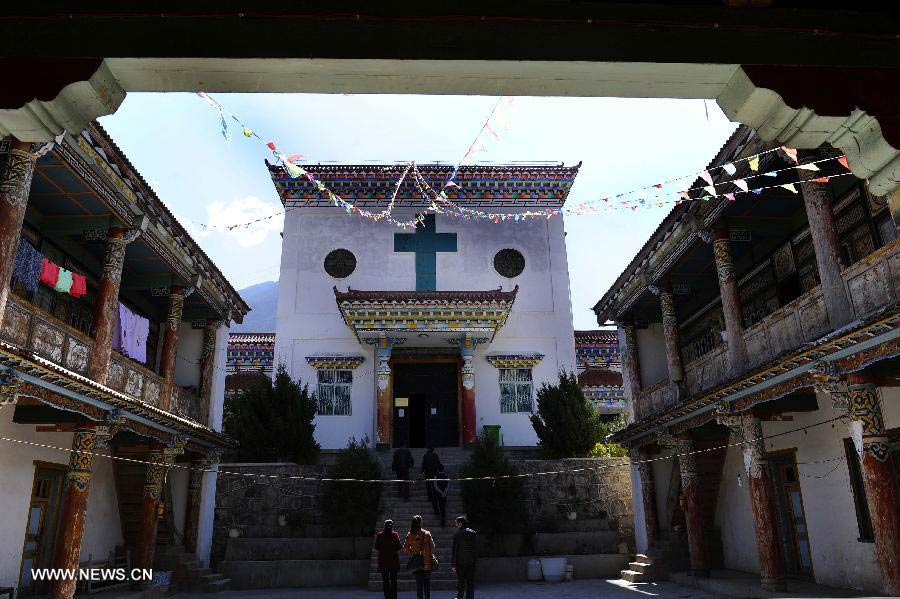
x: 426, y: 243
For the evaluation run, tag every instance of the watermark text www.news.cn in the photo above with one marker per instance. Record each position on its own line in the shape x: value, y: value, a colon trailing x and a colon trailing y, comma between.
x: 93, y: 574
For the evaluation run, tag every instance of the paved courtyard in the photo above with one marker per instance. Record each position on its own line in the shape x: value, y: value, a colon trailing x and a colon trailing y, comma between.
x: 579, y: 589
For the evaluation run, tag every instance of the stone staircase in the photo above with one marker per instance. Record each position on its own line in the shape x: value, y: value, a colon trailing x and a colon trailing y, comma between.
x: 188, y: 573
x: 402, y: 512
x: 640, y: 570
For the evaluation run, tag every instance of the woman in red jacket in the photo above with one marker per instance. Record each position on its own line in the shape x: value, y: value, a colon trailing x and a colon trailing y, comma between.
x: 388, y: 545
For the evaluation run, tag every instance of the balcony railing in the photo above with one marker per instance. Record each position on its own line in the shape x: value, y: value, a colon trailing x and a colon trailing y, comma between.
x: 656, y: 398
x: 31, y: 328
x: 871, y: 284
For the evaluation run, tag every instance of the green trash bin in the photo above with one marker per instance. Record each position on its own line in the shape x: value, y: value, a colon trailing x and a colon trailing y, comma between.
x: 493, y: 432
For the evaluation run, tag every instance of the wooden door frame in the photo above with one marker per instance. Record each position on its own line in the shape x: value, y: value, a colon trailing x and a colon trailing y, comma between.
x: 394, y: 360
x: 36, y: 464
x: 792, y: 453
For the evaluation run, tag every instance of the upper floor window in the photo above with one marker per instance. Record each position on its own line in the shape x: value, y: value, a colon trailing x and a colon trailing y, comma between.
x: 516, y: 390
x: 334, y: 392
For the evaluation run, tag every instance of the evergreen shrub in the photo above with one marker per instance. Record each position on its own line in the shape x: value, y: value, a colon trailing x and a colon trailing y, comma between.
x: 497, y: 505
x: 273, y: 422
x: 566, y: 422
x: 350, y: 508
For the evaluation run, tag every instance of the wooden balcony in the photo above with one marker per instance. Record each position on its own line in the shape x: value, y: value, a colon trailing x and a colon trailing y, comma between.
x: 872, y: 284
x: 657, y: 398
x: 28, y: 327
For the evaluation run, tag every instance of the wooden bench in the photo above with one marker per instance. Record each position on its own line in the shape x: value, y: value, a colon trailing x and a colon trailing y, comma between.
x: 119, y: 558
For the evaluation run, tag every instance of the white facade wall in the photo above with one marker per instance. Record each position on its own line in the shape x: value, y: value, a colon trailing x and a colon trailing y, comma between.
x: 309, y: 321
x: 839, y: 559
x: 187, y: 361
x: 103, y: 530
x: 651, y: 345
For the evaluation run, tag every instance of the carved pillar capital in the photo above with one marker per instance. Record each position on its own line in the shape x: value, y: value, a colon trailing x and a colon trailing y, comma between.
x: 828, y: 381
x: 722, y: 254
x: 9, y: 388
x: 15, y: 182
x: 81, y: 460
x: 867, y: 421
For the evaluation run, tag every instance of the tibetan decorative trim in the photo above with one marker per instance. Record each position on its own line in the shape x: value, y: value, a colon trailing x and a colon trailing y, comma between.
x: 801, y: 367
x: 514, y: 360
x: 335, y: 361
x: 67, y: 390
x: 425, y: 311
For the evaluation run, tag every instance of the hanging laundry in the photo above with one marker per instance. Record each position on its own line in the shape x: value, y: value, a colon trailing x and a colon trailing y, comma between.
x: 79, y: 285
x: 134, y: 330
x: 49, y: 273
x: 63, y: 281
x: 27, y: 266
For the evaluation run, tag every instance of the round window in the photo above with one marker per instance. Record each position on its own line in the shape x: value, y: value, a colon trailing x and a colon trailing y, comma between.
x: 340, y: 263
x: 509, y: 263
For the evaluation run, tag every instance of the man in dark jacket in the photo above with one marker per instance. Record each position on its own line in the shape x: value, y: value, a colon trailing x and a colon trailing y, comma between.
x: 431, y: 464
x: 439, y: 495
x: 464, y: 557
x: 402, y: 463
x: 388, y: 545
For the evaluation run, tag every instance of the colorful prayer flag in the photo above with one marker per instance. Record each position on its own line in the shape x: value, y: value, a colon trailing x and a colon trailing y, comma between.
x: 791, y: 152
x: 754, y: 163
x: 807, y: 167
x: 790, y: 187
x: 729, y: 168
x: 741, y: 184
x: 706, y: 177
x: 843, y: 161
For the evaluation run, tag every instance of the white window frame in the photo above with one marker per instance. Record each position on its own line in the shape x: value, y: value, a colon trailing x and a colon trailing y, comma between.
x: 518, y: 383
x: 331, y: 389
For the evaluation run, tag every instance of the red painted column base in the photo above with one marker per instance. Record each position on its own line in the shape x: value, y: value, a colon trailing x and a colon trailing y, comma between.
x: 468, y: 416
x: 768, y: 546
x: 694, y: 522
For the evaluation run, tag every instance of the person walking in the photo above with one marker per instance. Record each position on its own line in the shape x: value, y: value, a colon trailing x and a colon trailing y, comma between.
x: 403, y: 461
x: 431, y: 463
x: 439, y: 495
x: 388, y: 545
x: 420, y: 547
x: 465, y: 555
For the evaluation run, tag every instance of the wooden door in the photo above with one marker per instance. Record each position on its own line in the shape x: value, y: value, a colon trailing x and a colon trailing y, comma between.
x: 40, y: 528
x: 792, y: 515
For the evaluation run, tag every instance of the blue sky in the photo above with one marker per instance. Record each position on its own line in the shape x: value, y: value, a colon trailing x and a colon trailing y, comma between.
x: 175, y: 142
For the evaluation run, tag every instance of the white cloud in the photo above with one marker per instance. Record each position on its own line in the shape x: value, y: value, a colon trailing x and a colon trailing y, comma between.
x: 221, y: 215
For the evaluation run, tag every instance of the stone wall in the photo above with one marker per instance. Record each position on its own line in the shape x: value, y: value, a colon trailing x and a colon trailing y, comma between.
x: 600, y: 496
x: 266, y: 508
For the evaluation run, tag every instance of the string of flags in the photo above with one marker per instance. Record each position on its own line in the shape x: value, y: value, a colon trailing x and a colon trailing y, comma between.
x: 669, y: 191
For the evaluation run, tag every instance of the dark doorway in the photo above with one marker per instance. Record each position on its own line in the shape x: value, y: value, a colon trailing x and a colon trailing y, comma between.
x: 426, y: 404
x: 40, y: 529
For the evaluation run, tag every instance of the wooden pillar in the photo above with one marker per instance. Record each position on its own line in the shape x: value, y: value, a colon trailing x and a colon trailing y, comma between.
x: 15, y: 185
x: 170, y: 347
x: 762, y: 501
x: 731, y: 302
x: 690, y: 489
x: 207, y: 367
x: 670, y: 333
x: 73, y: 512
x: 879, y: 476
x: 107, y: 304
x: 145, y: 548
x: 631, y: 367
x: 469, y: 417
x: 384, y: 401
x: 648, y: 497
x: 828, y: 252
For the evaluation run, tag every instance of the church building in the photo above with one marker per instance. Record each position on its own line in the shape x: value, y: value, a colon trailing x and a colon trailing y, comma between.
x: 425, y: 335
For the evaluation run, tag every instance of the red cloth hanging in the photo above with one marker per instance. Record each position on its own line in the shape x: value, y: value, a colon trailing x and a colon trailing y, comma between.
x: 79, y: 285
x: 49, y: 273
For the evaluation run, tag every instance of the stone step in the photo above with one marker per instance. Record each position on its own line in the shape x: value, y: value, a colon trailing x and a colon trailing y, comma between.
x: 640, y: 567
x: 644, y: 559
x: 632, y: 576
x: 217, y: 586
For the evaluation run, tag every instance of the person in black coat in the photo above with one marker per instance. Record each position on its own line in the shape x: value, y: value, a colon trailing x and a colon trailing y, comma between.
x: 388, y: 546
x: 439, y: 495
x: 465, y: 554
x: 403, y: 462
x: 431, y: 465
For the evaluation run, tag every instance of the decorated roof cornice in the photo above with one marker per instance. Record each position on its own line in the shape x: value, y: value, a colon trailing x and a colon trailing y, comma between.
x: 338, y: 361
x: 432, y: 311
x: 254, y: 338
x: 367, y: 185
x: 528, y: 360
x: 67, y: 390
x: 166, y: 235
x: 597, y: 337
